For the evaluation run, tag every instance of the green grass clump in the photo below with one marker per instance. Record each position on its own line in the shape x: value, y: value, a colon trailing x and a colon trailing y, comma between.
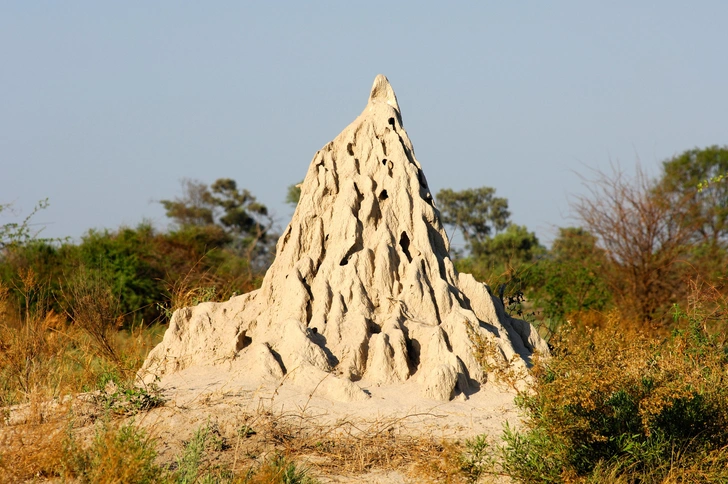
x: 280, y: 470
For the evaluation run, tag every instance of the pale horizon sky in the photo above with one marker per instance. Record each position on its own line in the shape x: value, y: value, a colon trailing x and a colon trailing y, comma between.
x: 104, y: 106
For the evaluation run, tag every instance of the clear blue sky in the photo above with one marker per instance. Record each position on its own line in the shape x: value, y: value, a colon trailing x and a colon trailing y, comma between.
x: 105, y: 106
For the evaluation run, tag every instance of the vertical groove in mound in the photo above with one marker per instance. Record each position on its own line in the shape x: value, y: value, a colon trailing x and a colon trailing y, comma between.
x: 362, y: 287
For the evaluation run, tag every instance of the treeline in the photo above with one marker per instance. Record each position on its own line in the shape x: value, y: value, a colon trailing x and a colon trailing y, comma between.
x: 642, y: 246
x: 639, y: 242
x: 219, y: 244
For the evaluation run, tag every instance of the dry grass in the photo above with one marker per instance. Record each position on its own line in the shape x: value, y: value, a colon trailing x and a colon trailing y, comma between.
x: 34, y: 448
x: 45, y: 356
x: 342, y: 449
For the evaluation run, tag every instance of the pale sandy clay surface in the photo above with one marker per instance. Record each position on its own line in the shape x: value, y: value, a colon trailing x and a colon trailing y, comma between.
x: 200, y: 397
x: 362, y: 315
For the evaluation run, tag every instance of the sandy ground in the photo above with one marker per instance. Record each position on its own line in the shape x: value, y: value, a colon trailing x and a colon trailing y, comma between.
x: 203, y: 392
x: 387, y: 435
x: 228, y: 402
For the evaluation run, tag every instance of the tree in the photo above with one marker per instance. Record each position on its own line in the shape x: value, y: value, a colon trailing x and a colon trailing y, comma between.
x: 14, y: 233
x: 293, y: 195
x: 476, y: 212
x: 683, y: 177
x: 500, y: 252
x: 513, y: 246
x: 571, y: 277
x: 223, y: 207
x: 644, y: 234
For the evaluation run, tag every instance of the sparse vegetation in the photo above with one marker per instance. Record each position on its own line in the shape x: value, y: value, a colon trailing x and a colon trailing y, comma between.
x: 634, y: 391
x: 118, y: 453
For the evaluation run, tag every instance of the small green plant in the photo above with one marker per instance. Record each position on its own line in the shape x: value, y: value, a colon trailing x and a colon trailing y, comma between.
x: 127, y: 399
x: 191, y: 465
x: 476, y: 460
x: 188, y: 464
x: 280, y: 470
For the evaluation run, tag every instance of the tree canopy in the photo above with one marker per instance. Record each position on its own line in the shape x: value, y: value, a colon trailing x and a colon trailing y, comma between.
x: 476, y: 212
x: 683, y: 177
x: 571, y: 277
x: 293, y: 194
x: 223, y: 207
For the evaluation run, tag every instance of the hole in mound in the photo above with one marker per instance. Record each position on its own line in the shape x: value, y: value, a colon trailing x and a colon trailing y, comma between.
x: 242, y: 341
x: 391, y: 121
x: 344, y: 261
x: 350, y: 149
x: 413, y: 350
x: 404, y: 243
x: 384, y: 162
x: 383, y: 195
x: 427, y: 197
x: 421, y: 178
x: 278, y: 358
x: 373, y: 327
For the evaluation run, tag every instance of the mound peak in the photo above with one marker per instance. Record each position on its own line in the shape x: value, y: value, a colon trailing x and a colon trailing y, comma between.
x: 362, y: 289
x: 382, y: 92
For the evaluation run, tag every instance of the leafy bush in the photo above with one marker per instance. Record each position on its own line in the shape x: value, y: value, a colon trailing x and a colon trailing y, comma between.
x: 624, y: 405
x: 570, y: 278
x: 128, y: 260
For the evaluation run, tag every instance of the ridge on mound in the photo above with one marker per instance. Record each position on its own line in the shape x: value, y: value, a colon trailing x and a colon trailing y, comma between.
x: 362, y: 287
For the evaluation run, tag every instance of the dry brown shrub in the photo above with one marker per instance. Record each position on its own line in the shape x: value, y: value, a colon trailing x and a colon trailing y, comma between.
x: 192, y: 289
x: 93, y: 307
x: 18, y: 462
x: 33, y: 340
x: 645, y: 234
x: 616, y: 320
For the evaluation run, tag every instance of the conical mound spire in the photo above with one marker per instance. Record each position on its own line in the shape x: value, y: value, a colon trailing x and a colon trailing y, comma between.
x: 382, y: 92
x: 362, y: 291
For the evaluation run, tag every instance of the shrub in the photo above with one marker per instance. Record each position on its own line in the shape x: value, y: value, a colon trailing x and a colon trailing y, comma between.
x: 624, y: 405
x: 570, y: 278
x: 128, y: 261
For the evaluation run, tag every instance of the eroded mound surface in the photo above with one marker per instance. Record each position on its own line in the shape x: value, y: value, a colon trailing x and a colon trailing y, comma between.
x: 362, y: 292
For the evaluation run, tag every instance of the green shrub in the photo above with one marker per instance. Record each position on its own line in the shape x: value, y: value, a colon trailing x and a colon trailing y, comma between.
x: 128, y: 260
x: 280, y: 470
x: 570, y: 278
x: 476, y: 459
